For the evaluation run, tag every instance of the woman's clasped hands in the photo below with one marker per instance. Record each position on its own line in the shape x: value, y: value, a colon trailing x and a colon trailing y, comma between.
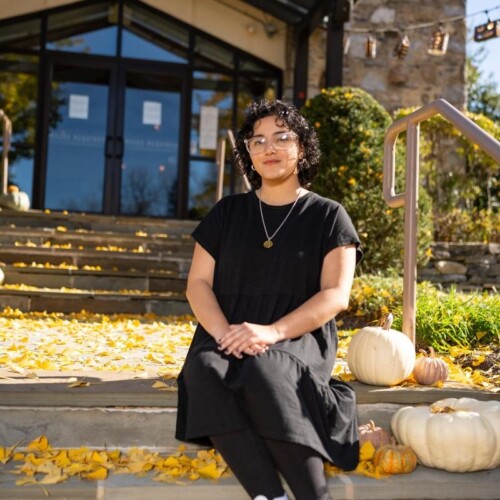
x: 248, y: 338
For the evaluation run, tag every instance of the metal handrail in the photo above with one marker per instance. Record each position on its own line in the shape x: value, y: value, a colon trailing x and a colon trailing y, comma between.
x: 7, y: 133
x: 409, y: 199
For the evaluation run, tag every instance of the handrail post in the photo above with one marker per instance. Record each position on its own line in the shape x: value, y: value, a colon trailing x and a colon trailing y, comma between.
x: 410, y: 231
x: 7, y: 132
x: 220, y: 162
x: 409, y: 199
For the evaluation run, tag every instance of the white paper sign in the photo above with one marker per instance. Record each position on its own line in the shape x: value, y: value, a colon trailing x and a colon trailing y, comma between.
x: 79, y: 106
x: 151, y: 113
x: 209, y: 126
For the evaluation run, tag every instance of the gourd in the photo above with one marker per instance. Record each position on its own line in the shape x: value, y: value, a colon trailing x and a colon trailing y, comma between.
x: 376, y: 435
x: 457, y: 435
x: 2, y: 276
x: 428, y: 369
x: 15, y: 200
x: 378, y: 355
x: 395, y: 459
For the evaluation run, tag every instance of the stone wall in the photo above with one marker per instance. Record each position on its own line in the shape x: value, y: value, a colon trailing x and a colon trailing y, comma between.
x: 469, y: 266
x: 417, y: 79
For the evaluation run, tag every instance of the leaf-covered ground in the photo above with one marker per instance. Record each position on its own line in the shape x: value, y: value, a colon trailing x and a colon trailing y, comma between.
x: 157, y: 346
x: 150, y: 346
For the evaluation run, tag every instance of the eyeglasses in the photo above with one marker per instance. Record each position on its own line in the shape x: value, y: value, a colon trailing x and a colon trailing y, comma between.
x: 281, y: 140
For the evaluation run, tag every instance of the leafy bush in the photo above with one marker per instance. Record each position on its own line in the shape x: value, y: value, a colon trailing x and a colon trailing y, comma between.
x: 443, y: 319
x: 351, y: 127
x: 473, y: 182
x: 460, y: 226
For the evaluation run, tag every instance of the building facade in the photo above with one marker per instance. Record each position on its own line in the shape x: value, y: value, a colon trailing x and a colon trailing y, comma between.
x: 118, y: 106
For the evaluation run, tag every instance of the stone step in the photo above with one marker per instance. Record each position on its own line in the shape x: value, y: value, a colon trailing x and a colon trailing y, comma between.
x: 104, y: 302
x: 151, y: 243
x: 95, y: 222
x: 149, y: 281
x: 96, y: 415
x: 423, y: 483
x: 110, y: 260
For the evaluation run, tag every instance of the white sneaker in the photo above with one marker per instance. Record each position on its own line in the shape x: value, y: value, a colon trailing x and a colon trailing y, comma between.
x: 262, y: 497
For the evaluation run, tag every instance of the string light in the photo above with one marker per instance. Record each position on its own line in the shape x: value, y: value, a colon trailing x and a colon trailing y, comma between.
x: 370, y: 47
x: 487, y: 31
x: 439, y: 42
x: 402, y: 47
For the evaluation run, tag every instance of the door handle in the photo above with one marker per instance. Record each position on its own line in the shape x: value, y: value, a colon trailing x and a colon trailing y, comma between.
x: 108, y: 148
x: 119, y: 147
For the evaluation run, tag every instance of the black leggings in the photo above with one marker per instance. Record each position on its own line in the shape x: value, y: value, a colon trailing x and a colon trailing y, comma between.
x: 256, y: 461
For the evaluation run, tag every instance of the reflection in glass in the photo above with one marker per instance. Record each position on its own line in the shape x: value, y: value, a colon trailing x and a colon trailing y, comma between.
x: 150, y: 163
x: 90, y: 29
x: 24, y: 35
x: 252, y: 88
x: 208, y: 54
x: 146, y: 36
x: 202, y: 186
x: 209, y: 89
x: 18, y: 98
x: 75, y: 160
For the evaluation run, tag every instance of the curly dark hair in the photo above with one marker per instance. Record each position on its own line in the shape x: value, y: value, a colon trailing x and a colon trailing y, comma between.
x: 287, y: 116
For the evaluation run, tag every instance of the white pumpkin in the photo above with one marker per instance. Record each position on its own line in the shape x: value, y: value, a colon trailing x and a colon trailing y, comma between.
x: 2, y: 276
x: 457, y: 435
x: 16, y: 200
x: 378, y: 355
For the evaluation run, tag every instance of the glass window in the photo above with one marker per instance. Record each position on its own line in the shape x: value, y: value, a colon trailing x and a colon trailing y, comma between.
x: 150, y: 164
x: 210, y: 90
x: 77, y: 138
x: 90, y: 29
x: 23, y: 35
x: 252, y: 88
x: 249, y: 64
x: 202, y: 186
x: 208, y: 54
x: 18, y: 99
x: 147, y: 36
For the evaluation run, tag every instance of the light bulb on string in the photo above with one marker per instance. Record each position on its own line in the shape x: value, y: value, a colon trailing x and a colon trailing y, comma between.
x: 402, y: 47
x: 491, y: 29
x: 346, y: 44
x: 370, y: 47
x: 439, y: 42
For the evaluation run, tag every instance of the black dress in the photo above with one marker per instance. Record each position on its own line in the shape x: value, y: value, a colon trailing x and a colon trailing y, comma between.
x: 286, y: 394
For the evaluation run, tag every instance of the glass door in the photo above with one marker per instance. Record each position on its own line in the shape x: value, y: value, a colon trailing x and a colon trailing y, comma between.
x: 78, y: 137
x: 114, y: 135
x: 149, y: 180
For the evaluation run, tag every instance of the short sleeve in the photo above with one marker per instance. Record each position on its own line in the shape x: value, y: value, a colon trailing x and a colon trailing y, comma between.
x: 340, y: 231
x: 209, y: 231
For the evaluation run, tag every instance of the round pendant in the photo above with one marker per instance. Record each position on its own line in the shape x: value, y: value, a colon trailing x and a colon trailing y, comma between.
x: 267, y: 244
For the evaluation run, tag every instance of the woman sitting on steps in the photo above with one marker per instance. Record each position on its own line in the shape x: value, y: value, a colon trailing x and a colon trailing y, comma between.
x: 271, y: 269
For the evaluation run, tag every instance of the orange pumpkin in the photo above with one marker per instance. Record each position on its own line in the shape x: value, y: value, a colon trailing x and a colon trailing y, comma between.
x: 395, y: 459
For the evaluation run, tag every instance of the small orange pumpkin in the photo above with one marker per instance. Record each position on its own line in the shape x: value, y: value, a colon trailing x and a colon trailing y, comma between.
x: 376, y: 435
x: 428, y: 369
x: 395, y: 459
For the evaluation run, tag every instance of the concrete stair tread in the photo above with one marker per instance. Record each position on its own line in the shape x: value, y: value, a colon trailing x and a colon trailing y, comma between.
x: 132, y: 389
x: 423, y: 483
x: 151, y: 280
x: 104, y: 302
x: 96, y: 222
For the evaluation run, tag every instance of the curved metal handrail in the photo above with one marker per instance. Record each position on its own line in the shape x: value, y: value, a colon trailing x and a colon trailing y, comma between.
x: 7, y: 133
x: 409, y: 199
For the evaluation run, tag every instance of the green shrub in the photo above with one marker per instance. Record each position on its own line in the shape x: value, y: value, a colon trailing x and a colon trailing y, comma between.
x: 351, y: 127
x: 443, y: 318
x: 461, y: 226
x: 472, y: 184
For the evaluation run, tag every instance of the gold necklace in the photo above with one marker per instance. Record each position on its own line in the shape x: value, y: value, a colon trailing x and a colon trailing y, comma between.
x: 268, y: 243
